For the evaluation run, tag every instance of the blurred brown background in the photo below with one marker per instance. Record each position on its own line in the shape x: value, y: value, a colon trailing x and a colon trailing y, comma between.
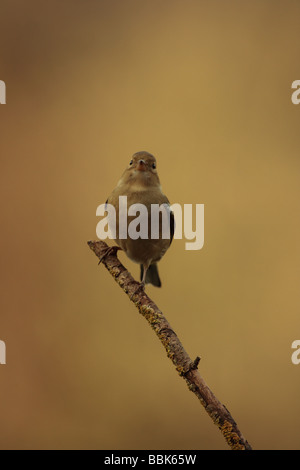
x: 206, y: 87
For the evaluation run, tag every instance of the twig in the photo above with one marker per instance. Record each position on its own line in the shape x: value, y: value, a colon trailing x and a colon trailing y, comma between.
x: 175, y: 351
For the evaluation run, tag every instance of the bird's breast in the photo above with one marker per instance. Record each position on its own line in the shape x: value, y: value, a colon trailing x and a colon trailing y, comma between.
x: 140, y: 224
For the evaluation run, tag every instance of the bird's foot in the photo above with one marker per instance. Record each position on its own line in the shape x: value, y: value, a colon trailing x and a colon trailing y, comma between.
x: 141, y: 286
x: 109, y: 250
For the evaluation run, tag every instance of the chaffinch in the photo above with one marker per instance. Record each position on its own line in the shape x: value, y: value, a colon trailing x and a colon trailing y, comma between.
x: 140, y: 183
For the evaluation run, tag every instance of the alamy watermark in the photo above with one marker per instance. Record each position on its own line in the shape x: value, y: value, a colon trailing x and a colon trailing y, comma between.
x: 296, y: 94
x: 154, y: 225
x: 2, y: 352
x: 2, y: 92
x: 296, y: 354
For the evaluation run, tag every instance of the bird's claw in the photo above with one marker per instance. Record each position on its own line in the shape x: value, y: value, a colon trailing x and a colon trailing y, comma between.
x: 141, y: 286
x: 108, y: 252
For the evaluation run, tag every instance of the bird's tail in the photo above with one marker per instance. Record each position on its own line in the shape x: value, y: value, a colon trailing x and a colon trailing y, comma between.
x: 152, y: 276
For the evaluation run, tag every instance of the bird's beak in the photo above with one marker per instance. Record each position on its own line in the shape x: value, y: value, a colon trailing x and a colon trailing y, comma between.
x: 141, y: 166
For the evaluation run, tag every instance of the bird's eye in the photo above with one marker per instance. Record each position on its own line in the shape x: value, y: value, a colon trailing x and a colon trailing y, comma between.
x: 153, y: 166
x: 131, y: 162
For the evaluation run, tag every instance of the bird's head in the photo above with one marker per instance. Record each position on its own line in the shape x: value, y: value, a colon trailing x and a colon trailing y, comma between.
x: 141, y: 170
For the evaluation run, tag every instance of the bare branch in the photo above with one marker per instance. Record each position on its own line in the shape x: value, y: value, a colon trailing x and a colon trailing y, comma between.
x: 185, y: 366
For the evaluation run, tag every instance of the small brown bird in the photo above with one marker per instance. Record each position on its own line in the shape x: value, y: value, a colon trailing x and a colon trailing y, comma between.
x: 141, y: 185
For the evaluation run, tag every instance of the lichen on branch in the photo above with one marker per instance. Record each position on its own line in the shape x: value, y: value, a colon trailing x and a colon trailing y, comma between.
x: 185, y: 366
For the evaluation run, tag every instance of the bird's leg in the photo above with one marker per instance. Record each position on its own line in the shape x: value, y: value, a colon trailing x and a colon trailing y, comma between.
x: 109, y: 250
x: 142, y: 283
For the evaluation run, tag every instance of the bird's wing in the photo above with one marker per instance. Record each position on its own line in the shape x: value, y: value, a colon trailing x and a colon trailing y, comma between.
x: 172, y: 225
x: 172, y: 219
x: 167, y: 204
